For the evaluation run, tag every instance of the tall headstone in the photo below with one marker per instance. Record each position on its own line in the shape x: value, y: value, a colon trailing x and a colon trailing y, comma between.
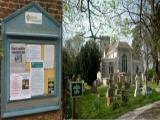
x: 125, y: 87
x: 137, y: 83
x: 118, y: 83
x: 109, y: 96
x: 110, y: 91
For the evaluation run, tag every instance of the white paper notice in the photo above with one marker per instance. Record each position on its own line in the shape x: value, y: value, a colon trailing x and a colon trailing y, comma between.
x: 26, y: 86
x: 37, y: 78
x: 33, y: 53
x: 17, y: 58
x: 49, y: 56
x: 15, y: 86
x: 19, y: 86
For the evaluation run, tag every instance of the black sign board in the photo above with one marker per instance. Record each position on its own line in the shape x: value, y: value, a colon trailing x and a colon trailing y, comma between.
x: 76, y: 89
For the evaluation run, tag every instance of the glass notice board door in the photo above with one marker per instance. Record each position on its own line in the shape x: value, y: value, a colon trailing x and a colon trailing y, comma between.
x: 32, y: 70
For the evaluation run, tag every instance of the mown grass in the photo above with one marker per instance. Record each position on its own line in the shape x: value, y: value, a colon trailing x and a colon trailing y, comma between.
x: 93, y: 107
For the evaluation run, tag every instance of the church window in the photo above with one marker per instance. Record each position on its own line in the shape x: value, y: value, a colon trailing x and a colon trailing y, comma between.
x: 124, y: 63
x: 110, y: 68
x: 137, y: 70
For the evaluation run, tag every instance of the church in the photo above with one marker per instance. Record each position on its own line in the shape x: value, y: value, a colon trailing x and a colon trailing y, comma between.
x: 117, y: 57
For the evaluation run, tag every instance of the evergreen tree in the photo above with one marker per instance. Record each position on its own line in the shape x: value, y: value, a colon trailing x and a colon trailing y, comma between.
x: 89, y: 62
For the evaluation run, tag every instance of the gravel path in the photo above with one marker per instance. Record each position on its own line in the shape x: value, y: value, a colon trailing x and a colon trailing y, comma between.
x: 148, y: 112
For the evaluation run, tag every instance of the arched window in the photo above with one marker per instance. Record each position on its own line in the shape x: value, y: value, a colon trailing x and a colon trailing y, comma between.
x: 137, y: 70
x: 110, y: 68
x: 124, y: 63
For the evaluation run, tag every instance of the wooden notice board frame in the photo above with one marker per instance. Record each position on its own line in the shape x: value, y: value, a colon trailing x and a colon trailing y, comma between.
x: 30, y: 25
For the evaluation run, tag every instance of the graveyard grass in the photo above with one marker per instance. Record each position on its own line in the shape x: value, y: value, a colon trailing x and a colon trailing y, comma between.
x: 93, y: 108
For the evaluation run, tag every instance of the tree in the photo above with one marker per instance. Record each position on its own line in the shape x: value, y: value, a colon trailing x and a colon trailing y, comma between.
x: 68, y: 70
x: 74, y: 44
x: 71, y: 50
x: 118, y: 15
x: 68, y: 63
x: 89, y: 62
x: 146, y: 15
x: 136, y: 43
x: 94, y: 18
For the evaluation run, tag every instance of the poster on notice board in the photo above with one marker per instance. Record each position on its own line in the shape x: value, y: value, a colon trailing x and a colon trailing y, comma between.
x: 33, y: 53
x: 20, y: 86
x: 17, y: 58
x: 49, y: 56
x: 37, y: 78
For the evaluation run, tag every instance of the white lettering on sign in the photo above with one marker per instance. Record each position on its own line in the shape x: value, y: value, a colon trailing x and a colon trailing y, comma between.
x: 33, y: 18
x: 76, y: 89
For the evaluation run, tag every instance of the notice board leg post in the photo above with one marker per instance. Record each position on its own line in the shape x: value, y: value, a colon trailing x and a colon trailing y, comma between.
x: 78, y: 107
x: 73, y: 108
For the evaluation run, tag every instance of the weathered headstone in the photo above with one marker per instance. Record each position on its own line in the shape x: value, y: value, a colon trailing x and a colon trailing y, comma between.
x: 99, y: 77
x: 94, y: 87
x: 110, y: 91
x: 125, y: 87
x: 118, y: 84
x: 109, y: 96
x: 118, y: 87
x: 137, y: 89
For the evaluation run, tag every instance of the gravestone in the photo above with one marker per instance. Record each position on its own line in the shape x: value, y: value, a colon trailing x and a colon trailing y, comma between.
x: 110, y: 92
x: 94, y: 87
x: 109, y: 96
x: 118, y: 84
x: 137, y: 83
x: 125, y: 87
x: 99, y: 77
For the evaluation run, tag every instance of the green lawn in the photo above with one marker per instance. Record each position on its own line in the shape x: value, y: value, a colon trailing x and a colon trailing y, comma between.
x: 92, y: 107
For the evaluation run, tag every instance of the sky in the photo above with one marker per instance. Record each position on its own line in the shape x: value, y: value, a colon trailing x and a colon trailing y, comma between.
x: 78, y: 23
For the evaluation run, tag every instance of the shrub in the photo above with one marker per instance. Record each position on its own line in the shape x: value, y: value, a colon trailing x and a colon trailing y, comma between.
x: 116, y: 104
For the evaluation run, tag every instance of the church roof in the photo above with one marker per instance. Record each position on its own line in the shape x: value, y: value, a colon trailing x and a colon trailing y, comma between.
x: 124, y: 45
x: 119, y: 45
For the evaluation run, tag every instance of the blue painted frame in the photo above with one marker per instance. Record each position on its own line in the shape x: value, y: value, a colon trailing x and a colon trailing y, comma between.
x: 14, y: 30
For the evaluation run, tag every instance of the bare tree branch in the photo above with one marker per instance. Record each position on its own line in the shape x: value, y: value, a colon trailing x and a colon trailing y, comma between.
x: 140, y: 16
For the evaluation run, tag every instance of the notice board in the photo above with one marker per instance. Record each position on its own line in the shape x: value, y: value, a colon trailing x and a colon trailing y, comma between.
x: 31, y: 66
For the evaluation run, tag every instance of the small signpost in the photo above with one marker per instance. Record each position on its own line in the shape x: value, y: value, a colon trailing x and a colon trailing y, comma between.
x: 76, y: 91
